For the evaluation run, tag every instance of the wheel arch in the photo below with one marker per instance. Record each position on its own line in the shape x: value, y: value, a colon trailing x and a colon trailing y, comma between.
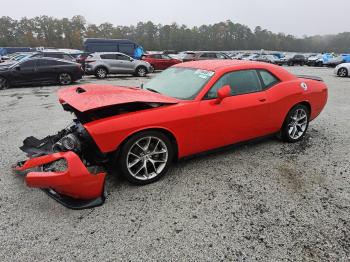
x: 162, y: 130
x: 305, y: 103
x: 139, y: 66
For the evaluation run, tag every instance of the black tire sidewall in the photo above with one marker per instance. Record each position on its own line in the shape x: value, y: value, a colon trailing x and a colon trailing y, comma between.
x: 346, y: 70
x: 284, y: 131
x: 7, y: 82
x: 101, y: 68
x: 59, y: 80
x: 121, y: 162
x: 137, y: 71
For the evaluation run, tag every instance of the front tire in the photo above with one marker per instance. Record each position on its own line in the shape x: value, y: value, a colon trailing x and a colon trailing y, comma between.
x: 64, y: 79
x: 296, y: 124
x: 4, y: 84
x: 343, y: 72
x: 146, y: 157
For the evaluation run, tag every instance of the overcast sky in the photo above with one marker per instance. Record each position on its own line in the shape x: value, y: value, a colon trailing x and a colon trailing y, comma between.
x: 298, y: 17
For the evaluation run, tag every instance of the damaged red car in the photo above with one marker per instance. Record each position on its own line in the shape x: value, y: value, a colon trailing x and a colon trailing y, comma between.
x: 187, y: 109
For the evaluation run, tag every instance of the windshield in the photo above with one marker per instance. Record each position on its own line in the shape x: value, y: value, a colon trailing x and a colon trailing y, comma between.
x: 179, y: 82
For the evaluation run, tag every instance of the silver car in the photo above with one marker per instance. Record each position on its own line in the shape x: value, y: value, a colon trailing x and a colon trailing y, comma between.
x: 101, y: 64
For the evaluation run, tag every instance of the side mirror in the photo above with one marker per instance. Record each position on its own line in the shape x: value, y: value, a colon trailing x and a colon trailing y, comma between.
x: 222, y: 93
x: 131, y: 59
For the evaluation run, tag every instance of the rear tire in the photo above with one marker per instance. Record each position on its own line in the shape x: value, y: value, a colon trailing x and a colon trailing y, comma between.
x: 64, y: 79
x: 101, y: 72
x: 296, y: 124
x: 4, y: 83
x: 343, y: 72
x: 141, y: 71
x: 145, y: 157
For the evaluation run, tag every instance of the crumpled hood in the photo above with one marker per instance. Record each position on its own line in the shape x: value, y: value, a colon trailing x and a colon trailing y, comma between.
x: 89, y: 97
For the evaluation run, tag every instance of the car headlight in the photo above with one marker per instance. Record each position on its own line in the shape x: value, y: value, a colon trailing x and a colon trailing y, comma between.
x: 71, y: 143
x: 68, y: 143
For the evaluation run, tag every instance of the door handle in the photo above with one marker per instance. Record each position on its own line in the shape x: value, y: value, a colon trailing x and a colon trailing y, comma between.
x: 262, y: 99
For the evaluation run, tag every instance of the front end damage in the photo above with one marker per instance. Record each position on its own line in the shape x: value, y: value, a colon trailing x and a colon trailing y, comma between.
x: 67, y: 166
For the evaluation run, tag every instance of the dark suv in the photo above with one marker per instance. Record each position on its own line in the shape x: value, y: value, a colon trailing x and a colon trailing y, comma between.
x: 296, y: 60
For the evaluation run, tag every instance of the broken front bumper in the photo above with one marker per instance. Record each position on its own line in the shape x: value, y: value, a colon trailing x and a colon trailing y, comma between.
x: 75, y: 187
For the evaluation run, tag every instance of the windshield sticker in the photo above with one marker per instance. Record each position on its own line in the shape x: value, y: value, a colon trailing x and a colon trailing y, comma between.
x: 204, y: 74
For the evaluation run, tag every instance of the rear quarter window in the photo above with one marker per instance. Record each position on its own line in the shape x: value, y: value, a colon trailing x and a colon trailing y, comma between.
x: 268, y: 79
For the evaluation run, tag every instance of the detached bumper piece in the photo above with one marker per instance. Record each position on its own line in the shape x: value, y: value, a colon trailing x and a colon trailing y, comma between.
x: 73, y: 185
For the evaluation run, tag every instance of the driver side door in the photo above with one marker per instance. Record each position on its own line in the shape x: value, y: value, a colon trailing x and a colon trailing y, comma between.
x: 25, y: 72
x: 239, y: 117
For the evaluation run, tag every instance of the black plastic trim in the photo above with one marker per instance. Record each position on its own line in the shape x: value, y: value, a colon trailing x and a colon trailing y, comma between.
x: 73, y: 203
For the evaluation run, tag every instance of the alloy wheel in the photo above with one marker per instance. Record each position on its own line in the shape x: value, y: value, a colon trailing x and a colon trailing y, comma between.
x: 141, y: 71
x: 3, y: 83
x: 342, y: 72
x: 147, y: 158
x: 101, y: 73
x: 65, y: 79
x: 298, y: 124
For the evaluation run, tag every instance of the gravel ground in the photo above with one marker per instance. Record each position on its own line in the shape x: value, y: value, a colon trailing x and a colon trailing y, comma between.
x: 264, y: 201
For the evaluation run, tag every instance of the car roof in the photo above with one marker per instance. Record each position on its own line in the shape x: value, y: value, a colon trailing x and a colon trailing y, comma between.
x: 106, y: 53
x: 48, y: 58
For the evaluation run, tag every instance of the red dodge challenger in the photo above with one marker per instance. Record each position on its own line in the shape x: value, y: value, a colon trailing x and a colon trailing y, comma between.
x: 187, y: 109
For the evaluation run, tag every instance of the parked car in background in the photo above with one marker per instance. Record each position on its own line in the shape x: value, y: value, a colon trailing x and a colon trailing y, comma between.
x: 316, y: 60
x: 270, y: 59
x: 55, y: 54
x: 240, y: 56
x: 209, y: 55
x: 52, y: 54
x: 342, y: 70
x: 296, y: 60
x: 160, y: 61
x: 186, y: 56
x: 346, y: 58
x: 252, y: 57
x: 39, y: 70
x: 105, y: 63
x: 124, y: 46
x: 334, y: 61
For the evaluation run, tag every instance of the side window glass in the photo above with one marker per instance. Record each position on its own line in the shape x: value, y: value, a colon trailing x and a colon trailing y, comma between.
x: 43, y: 62
x: 108, y: 56
x: 241, y: 82
x: 67, y: 57
x: 122, y: 57
x: 268, y: 79
x: 28, y: 64
x: 220, y: 56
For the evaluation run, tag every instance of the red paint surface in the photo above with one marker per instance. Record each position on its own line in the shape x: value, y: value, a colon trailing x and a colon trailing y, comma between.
x: 76, y: 181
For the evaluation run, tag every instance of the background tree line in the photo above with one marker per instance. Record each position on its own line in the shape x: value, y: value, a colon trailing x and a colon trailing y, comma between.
x: 69, y: 33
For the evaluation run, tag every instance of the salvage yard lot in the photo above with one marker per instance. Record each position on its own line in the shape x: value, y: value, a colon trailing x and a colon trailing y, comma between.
x: 265, y: 200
